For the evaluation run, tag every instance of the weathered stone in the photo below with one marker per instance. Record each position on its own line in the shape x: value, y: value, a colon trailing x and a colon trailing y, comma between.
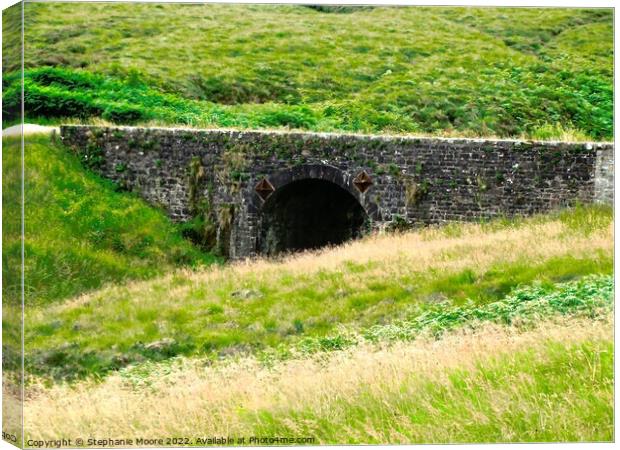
x: 418, y: 180
x: 160, y: 345
x: 245, y: 294
x: 604, y: 176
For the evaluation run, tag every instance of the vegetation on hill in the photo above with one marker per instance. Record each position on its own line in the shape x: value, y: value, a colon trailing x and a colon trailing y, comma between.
x: 244, y: 308
x: 540, y: 73
x: 549, y: 382
x: 556, y: 387
x: 80, y: 231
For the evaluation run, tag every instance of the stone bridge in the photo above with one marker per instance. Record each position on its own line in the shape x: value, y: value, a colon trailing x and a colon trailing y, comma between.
x: 267, y: 192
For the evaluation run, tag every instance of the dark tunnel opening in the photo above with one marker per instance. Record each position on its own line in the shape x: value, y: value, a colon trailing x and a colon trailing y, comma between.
x: 309, y: 214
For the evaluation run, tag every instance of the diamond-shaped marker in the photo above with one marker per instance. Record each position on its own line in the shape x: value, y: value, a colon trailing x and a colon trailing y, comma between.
x: 264, y: 188
x: 362, y: 181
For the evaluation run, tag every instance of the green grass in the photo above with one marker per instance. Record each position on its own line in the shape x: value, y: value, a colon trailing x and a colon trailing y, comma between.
x: 591, y: 296
x: 562, y: 393
x: 81, y: 232
x: 539, y: 73
x: 229, y: 313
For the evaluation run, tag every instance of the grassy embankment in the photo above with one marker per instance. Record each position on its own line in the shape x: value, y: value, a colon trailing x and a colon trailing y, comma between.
x: 539, y: 73
x: 80, y: 234
x: 80, y: 230
x: 548, y: 377
x: 245, y: 308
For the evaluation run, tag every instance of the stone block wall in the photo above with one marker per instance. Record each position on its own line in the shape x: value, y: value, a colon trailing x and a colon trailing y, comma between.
x: 418, y: 180
x: 604, y: 176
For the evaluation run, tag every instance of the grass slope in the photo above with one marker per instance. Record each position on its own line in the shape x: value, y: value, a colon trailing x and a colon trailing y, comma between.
x: 550, y: 391
x: 552, y: 382
x: 245, y: 308
x: 541, y: 73
x: 80, y: 231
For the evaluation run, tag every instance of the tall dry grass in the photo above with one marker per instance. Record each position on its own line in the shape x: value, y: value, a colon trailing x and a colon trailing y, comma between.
x: 266, y: 303
x: 382, y: 256
x: 12, y: 407
x: 242, y: 398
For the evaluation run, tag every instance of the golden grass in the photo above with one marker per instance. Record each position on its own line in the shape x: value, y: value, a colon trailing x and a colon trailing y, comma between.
x: 474, y: 247
x: 189, y: 398
x: 11, y: 406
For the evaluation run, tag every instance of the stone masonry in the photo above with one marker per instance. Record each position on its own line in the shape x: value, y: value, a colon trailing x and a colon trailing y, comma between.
x: 408, y: 179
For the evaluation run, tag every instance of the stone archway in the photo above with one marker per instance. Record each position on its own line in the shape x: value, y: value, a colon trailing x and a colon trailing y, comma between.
x: 308, y: 207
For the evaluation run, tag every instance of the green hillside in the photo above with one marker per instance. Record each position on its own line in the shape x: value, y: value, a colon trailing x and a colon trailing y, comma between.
x: 433, y: 278
x: 541, y: 73
x: 81, y: 231
x: 549, y: 382
x: 464, y: 333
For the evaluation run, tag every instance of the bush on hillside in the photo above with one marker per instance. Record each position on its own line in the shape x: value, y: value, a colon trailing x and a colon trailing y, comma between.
x: 537, y: 104
x: 123, y: 113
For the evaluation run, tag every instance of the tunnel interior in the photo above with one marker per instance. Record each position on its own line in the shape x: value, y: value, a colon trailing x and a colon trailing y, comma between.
x: 309, y: 214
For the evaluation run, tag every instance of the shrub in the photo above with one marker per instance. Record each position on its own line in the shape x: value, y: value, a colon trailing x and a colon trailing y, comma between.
x: 398, y: 225
x: 51, y: 101
x: 288, y: 117
x: 123, y: 114
x: 200, y: 231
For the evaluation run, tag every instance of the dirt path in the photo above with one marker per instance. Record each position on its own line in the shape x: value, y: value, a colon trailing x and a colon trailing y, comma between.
x: 29, y: 128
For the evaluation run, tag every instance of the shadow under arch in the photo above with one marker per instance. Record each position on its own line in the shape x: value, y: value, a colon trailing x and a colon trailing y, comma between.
x: 311, y: 206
